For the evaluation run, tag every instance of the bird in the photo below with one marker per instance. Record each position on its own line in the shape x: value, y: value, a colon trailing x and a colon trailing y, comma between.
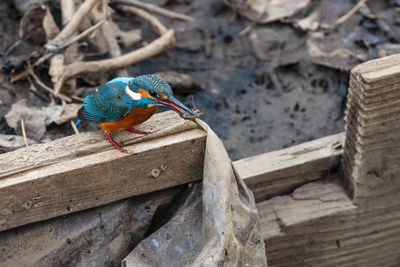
x: 125, y: 102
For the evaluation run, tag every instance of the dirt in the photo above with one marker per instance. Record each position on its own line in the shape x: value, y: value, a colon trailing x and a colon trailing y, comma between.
x: 264, y: 90
x: 240, y: 102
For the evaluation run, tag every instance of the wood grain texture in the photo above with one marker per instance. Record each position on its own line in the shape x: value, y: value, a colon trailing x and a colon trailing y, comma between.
x: 372, y: 149
x: 283, y: 170
x: 88, y: 143
x: 382, y: 70
x: 318, y: 225
x: 81, y: 172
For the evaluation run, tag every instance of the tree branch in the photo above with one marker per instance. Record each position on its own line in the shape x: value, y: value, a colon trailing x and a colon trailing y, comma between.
x: 157, y: 46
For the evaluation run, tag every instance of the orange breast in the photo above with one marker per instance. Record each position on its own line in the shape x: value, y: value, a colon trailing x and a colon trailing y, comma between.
x: 135, y: 117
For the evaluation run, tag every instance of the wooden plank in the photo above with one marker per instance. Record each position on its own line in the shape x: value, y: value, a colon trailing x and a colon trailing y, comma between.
x: 318, y: 225
x: 281, y: 171
x: 71, y: 176
x: 62, y: 149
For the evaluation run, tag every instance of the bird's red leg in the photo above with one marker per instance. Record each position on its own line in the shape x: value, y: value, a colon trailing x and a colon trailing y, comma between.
x: 133, y: 130
x: 115, y: 144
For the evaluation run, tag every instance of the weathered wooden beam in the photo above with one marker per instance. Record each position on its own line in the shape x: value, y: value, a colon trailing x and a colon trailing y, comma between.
x: 84, y: 171
x: 319, y: 225
x: 372, y: 149
x: 281, y: 171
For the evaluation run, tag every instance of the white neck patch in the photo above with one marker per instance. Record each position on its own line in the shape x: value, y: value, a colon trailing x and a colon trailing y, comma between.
x: 131, y: 94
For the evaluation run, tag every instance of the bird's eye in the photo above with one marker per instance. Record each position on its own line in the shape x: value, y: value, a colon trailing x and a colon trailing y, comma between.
x: 153, y: 93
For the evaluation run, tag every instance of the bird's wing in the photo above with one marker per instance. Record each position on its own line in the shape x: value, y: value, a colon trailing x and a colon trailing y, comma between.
x: 107, y: 103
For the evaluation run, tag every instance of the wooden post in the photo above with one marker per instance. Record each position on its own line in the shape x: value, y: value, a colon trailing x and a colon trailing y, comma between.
x: 371, y: 158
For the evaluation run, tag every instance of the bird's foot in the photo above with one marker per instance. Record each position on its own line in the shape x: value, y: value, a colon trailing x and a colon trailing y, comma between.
x: 133, y: 130
x: 115, y: 144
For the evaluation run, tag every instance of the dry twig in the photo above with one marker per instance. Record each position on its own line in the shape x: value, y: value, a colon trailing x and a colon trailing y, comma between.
x: 152, y: 49
x: 113, y: 47
x: 155, y: 9
x: 350, y: 13
x: 74, y: 127
x: 68, y: 43
x: 77, y: 98
x: 34, y: 89
x: 126, y: 38
x: 57, y: 62
x: 155, y: 23
x: 109, y: 36
x: 24, y: 132
x: 82, y: 35
x: 71, y: 121
x: 72, y: 26
x: 36, y: 78
x: 61, y: 70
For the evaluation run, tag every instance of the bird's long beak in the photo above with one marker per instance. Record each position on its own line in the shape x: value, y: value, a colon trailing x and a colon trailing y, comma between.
x: 178, y: 106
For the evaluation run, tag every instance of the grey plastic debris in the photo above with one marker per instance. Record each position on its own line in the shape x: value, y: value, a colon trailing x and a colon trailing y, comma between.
x: 217, y: 225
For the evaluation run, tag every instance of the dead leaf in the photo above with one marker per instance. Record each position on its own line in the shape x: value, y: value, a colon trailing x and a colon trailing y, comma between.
x: 31, y: 28
x: 34, y: 121
x: 51, y: 113
x: 69, y: 113
x: 310, y: 23
x: 11, y: 142
x: 265, y: 11
x: 325, y: 14
x: 37, y: 26
x: 59, y: 114
x: 331, y: 51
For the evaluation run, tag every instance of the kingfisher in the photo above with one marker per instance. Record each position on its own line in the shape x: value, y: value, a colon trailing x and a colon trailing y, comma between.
x: 125, y: 102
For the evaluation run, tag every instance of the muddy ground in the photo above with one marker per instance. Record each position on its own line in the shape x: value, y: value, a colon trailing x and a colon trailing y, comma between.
x: 266, y: 89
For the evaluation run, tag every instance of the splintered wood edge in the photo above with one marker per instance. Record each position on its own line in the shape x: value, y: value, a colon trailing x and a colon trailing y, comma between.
x: 104, y: 177
x: 378, y: 69
x: 304, y: 204
x: 278, y: 171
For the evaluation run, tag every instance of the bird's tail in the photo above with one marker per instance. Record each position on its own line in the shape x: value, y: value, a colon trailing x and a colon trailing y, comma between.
x: 77, y: 122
